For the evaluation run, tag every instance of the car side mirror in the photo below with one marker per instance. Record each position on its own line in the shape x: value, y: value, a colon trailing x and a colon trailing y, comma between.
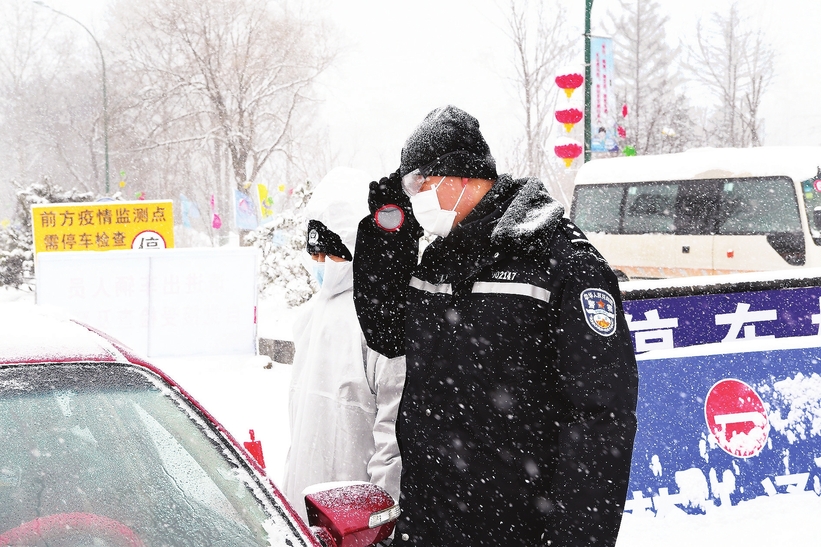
x: 350, y: 514
x: 816, y: 217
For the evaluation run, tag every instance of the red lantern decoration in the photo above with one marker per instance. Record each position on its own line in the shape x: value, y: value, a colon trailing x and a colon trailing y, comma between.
x: 568, y: 150
x: 569, y: 117
x: 622, y: 132
x: 569, y: 82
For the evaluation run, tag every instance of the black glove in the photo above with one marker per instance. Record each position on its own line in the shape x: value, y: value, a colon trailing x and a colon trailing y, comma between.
x: 390, y: 206
x: 387, y: 245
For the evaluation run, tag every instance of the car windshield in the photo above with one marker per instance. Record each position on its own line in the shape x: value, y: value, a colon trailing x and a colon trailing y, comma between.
x: 111, y: 453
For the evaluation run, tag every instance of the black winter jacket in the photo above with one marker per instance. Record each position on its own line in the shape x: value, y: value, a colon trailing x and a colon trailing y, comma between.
x: 518, y: 415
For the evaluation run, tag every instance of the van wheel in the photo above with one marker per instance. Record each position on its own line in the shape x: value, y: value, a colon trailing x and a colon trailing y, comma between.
x: 621, y: 276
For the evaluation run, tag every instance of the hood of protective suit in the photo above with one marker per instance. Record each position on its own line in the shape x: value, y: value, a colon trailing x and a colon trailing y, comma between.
x: 340, y: 201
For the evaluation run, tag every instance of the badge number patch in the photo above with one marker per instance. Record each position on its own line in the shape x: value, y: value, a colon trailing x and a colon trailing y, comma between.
x: 599, y: 310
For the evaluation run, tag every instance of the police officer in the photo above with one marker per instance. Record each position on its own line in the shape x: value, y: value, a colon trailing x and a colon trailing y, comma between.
x: 517, y: 418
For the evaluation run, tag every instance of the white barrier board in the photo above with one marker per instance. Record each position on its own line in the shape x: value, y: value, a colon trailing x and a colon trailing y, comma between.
x: 166, y: 303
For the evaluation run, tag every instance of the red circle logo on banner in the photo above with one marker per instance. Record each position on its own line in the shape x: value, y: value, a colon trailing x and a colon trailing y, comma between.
x: 736, y: 418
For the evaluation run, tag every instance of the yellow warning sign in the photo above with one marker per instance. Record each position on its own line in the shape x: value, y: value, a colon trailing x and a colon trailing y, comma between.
x: 104, y: 226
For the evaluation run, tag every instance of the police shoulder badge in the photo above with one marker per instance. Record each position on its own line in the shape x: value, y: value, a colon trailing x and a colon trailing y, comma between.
x: 599, y: 310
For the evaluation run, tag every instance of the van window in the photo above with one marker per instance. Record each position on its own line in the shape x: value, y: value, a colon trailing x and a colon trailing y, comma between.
x: 758, y: 206
x: 650, y: 208
x: 695, y: 207
x: 812, y: 200
x: 596, y: 208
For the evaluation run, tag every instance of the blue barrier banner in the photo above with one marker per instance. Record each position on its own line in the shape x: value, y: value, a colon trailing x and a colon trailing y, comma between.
x: 665, y: 323
x: 728, y: 446
x: 717, y: 430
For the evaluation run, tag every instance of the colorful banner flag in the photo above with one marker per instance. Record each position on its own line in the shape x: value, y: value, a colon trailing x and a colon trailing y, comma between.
x: 246, y: 216
x: 189, y: 211
x: 216, y: 221
x: 603, y: 117
x: 266, y: 203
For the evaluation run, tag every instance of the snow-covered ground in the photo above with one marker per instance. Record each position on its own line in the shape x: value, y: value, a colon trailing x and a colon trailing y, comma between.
x: 250, y: 392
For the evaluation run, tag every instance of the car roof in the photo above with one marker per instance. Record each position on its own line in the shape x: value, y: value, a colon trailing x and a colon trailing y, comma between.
x: 797, y: 162
x: 33, y: 334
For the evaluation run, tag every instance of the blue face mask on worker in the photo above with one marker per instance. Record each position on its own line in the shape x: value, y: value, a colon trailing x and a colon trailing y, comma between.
x: 430, y: 215
x: 318, y: 271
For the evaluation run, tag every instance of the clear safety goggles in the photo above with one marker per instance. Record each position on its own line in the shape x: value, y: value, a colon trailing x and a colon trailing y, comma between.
x: 413, y: 181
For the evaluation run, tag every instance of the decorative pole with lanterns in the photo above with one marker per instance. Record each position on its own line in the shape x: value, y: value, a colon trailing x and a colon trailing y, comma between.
x: 570, y: 80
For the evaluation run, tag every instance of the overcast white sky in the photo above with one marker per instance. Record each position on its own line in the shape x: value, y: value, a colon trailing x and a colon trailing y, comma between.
x: 403, y: 58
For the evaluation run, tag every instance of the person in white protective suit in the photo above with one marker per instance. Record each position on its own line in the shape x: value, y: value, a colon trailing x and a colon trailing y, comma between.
x: 343, y: 397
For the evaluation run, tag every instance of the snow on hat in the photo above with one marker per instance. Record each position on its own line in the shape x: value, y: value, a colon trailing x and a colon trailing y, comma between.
x: 448, y: 143
x: 338, y: 202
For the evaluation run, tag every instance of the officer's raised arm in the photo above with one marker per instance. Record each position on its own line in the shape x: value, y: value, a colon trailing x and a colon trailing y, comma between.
x: 387, y: 247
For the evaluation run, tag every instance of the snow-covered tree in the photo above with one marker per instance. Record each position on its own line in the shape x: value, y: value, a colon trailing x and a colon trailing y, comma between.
x: 282, y: 242
x: 223, y: 85
x: 50, y: 101
x: 644, y: 73
x: 735, y: 63
x: 16, y: 243
x: 539, y: 39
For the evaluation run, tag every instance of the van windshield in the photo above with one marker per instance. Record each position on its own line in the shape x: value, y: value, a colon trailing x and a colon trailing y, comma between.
x: 740, y: 206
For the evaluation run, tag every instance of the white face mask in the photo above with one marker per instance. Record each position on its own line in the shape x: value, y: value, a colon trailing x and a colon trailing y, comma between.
x: 338, y: 276
x: 430, y: 215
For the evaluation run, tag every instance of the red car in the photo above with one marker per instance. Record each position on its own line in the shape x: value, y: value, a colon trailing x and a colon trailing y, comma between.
x: 99, y: 447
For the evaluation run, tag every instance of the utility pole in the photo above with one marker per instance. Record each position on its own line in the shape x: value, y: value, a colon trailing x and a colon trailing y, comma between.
x: 105, y: 93
x: 588, y: 7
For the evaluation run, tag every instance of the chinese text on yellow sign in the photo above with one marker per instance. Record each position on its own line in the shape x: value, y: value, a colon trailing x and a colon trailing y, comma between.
x: 103, y: 226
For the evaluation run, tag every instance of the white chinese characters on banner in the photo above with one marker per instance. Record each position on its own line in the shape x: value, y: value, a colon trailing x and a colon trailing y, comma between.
x: 740, y: 317
x: 656, y: 333
x: 816, y: 318
x: 653, y: 332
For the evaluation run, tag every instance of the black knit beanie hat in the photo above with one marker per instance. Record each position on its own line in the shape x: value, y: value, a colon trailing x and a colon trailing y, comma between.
x: 322, y: 240
x: 448, y: 143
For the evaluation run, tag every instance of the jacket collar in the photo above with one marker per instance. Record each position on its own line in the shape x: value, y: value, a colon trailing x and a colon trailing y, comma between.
x: 530, y: 219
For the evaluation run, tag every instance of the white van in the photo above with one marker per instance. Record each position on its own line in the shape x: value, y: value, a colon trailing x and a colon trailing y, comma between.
x: 706, y: 211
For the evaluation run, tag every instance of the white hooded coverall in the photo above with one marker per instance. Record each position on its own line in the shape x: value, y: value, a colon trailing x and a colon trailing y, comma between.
x: 343, y: 397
